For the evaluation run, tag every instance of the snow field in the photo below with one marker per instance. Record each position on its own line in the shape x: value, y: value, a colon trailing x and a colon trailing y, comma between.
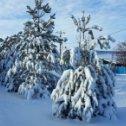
x: 17, y: 111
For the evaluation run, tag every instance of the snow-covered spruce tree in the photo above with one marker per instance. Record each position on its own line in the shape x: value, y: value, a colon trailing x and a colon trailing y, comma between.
x: 8, y: 55
x: 88, y: 90
x: 1, y: 42
x: 36, y: 69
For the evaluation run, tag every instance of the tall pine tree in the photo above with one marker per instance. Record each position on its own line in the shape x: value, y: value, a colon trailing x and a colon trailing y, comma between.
x: 36, y: 68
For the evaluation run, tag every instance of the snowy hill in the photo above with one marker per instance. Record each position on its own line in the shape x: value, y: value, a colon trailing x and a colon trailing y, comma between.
x: 17, y: 111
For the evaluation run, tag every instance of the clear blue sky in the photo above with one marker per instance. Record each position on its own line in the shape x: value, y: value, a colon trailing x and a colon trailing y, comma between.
x: 110, y: 14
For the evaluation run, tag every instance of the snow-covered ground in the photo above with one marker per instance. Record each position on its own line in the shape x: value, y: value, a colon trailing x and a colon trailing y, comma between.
x: 17, y: 111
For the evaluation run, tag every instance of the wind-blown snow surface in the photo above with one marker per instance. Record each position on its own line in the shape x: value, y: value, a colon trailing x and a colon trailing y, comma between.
x: 17, y: 111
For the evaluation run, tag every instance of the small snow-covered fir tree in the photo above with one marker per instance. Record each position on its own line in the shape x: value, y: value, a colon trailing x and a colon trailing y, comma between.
x: 88, y: 90
x: 1, y: 42
x: 36, y: 68
x: 8, y: 55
